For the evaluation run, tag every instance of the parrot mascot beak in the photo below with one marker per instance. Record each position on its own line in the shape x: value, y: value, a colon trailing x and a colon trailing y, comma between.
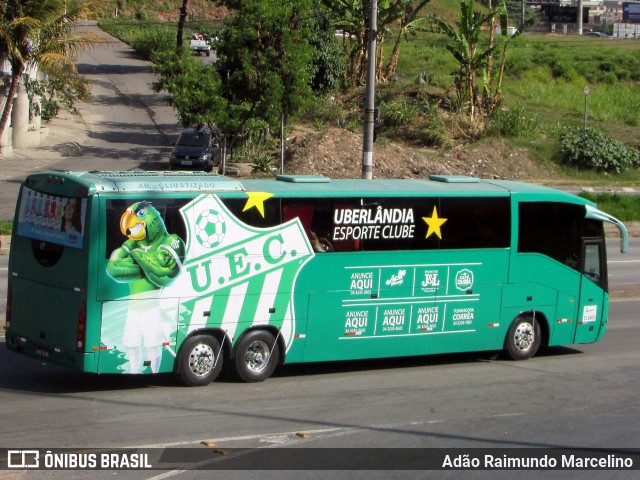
x: 132, y: 226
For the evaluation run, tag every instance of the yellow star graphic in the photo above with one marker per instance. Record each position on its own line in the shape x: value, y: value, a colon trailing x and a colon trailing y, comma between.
x: 257, y: 199
x: 434, y: 224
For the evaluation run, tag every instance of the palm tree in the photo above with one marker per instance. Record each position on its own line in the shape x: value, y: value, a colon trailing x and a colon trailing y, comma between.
x: 38, y: 32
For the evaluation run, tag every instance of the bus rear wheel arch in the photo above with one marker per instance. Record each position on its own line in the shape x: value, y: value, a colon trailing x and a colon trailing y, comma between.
x: 256, y: 356
x: 200, y: 360
x: 524, y: 337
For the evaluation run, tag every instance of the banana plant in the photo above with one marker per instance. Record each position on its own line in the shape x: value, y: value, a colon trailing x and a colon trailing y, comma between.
x: 406, y: 14
x: 352, y: 17
x: 464, y: 45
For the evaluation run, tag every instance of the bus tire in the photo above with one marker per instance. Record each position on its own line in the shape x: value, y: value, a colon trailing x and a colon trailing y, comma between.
x: 523, y: 338
x: 200, y: 360
x: 256, y: 356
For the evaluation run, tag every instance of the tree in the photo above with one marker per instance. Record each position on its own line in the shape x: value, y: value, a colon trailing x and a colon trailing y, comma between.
x: 266, y: 61
x: 350, y: 17
x: 181, y: 21
x: 329, y: 67
x: 491, y: 98
x: 194, y: 88
x: 38, y: 32
x: 263, y: 72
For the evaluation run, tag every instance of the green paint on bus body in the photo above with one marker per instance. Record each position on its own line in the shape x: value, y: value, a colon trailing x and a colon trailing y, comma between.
x: 335, y: 270
x: 232, y: 277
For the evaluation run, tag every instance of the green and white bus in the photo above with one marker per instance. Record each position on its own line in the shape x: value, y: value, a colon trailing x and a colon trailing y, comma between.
x: 149, y: 272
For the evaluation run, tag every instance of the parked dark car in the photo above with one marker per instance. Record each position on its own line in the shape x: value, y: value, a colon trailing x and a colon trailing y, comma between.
x: 598, y: 34
x: 196, y: 149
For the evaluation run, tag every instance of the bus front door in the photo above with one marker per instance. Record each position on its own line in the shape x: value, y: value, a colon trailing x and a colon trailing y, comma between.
x: 593, y: 287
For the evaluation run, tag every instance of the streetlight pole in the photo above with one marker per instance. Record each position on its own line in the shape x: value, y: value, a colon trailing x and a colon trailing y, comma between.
x: 579, y: 19
x: 370, y: 93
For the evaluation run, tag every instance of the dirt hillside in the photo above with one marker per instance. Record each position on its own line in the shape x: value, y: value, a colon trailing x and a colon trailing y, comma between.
x: 337, y: 153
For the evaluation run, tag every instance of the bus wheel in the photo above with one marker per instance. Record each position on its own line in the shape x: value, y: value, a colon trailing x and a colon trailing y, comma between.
x: 523, y: 338
x: 256, y: 356
x: 200, y: 360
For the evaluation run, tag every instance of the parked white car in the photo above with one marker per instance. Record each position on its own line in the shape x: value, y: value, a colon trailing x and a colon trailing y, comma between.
x: 199, y: 44
x: 510, y: 31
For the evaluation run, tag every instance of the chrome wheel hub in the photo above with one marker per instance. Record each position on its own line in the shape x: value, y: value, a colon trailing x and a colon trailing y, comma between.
x: 524, y: 336
x: 257, y: 356
x: 201, y: 359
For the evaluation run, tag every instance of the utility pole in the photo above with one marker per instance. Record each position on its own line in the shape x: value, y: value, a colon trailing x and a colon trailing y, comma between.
x: 579, y: 19
x: 370, y: 94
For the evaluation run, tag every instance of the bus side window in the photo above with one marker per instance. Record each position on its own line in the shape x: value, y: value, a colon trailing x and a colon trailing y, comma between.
x: 269, y: 217
x: 475, y: 222
x: 347, y: 245
x: 552, y: 229
x: 592, y: 263
x: 317, y: 217
x: 313, y: 217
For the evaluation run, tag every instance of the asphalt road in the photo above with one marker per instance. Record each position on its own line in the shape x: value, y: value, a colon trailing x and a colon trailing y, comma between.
x: 580, y: 396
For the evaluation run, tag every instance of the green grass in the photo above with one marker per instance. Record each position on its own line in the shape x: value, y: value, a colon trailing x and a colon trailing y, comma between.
x: 5, y: 227
x: 548, y: 75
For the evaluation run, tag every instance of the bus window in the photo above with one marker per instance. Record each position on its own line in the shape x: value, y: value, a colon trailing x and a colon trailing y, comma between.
x: 52, y: 222
x: 317, y: 218
x: 169, y: 210
x: 52, y: 219
x: 432, y: 223
x: 46, y: 254
x: 552, y: 229
x: 475, y: 222
x: 267, y: 216
x: 593, y: 262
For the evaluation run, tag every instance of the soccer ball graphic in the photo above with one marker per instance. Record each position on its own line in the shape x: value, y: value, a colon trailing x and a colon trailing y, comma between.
x: 210, y: 229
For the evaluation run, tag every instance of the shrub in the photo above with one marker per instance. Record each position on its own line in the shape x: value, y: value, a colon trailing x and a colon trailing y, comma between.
x: 5, y: 227
x: 325, y: 109
x: 591, y: 148
x: 150, y: 40
x: 262, y: 163
x: 435, y: 133
x: 610, y: 78
x: 512, y: 122
x: 399, y: 113
x: 563, y: 70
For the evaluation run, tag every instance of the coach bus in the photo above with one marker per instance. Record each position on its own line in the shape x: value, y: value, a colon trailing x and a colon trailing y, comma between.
x: 187, y: 272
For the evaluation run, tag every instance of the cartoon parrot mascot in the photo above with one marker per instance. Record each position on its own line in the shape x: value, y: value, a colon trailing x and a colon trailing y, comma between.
x: 148, y: 260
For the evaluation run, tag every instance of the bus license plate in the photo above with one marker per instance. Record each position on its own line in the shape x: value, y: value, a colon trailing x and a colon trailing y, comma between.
x: 42, y: 352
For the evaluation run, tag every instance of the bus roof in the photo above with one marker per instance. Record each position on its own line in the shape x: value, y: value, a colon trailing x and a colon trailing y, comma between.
x: 286, y: 185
